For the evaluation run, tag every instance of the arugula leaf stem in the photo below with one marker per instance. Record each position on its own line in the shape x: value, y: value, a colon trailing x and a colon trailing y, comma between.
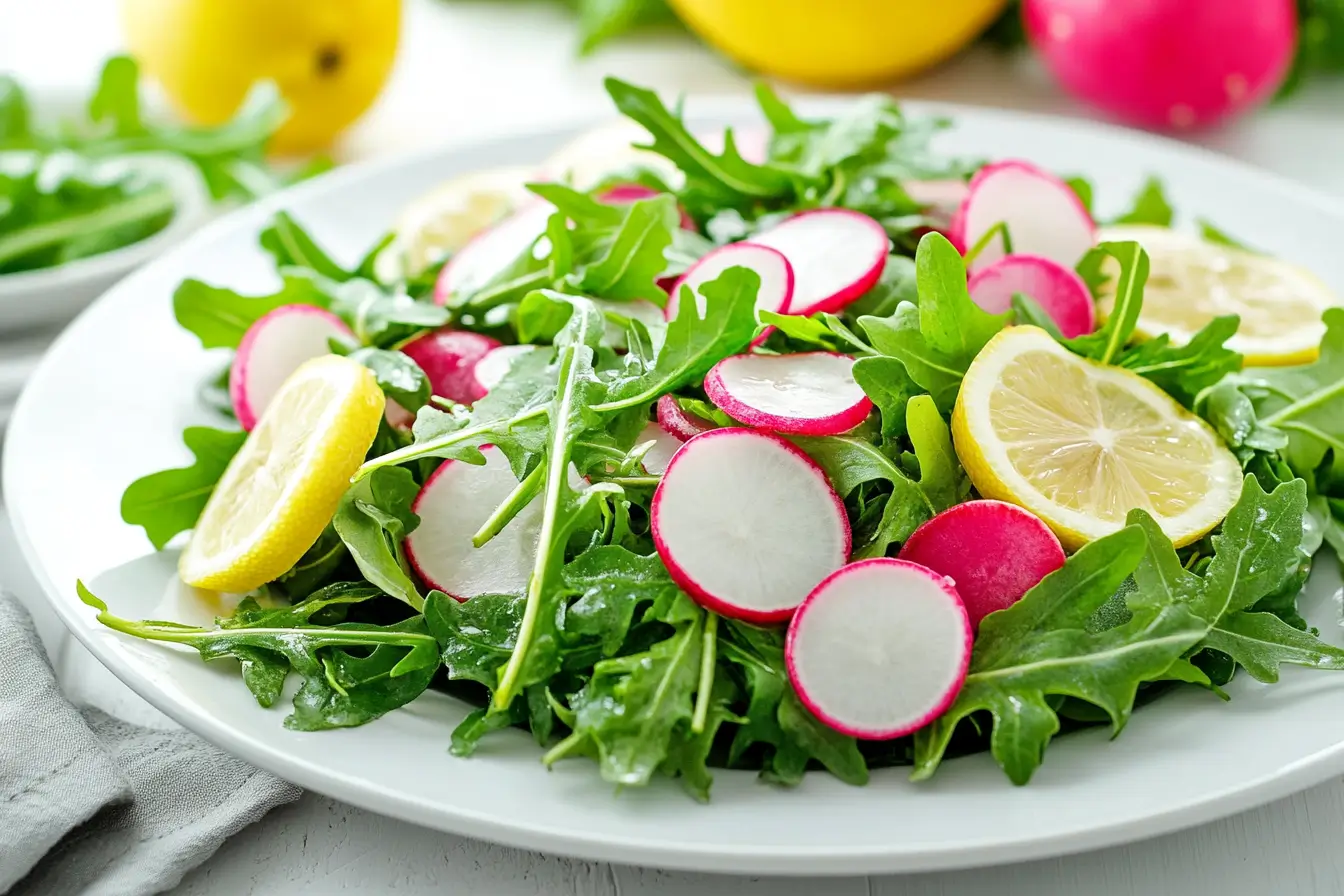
x: 1315, y: 433
x: 427, y: 448
x: 634, y: 481
x: 507, y: 291
x: 564, y: 748
x: 1307, y: 403
x: 517, y: 499
x: 708, y: 657
x: 999, y: 229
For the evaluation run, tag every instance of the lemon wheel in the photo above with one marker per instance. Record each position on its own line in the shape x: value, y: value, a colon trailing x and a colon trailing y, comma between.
x: 443, y: 220
x: 282, y: 487
x: 1191, y: 281
x: 1081, y: 444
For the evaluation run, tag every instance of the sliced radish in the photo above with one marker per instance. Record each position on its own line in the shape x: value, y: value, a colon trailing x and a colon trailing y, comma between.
x: 681, y: 424
x: 495, y: 364
x: 449, y: 358
x: 272, y: 349
x: 810, y: 394
x: 660, y: 454
x: 490, y: 252
x: 647, y: 313
x: 452, y: 505
x: 777, y: 278
x: 939, y: 196
x: 879, y: 649
x: 1059, y: 291
x: 1042, y: 213
x: 747, y: 524
x: 994, y: 552
x: 624, y: 194
x: 837, y: 255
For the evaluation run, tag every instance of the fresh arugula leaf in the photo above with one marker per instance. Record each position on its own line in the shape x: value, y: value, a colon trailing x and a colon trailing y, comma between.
x: 887, y: 383
x: 476, y: 636
x: 1082, y: 188
x: 291, y: 246
x: 116, y: 100
x: 1213, y: 234
x: 688, y: 750
x: 1041, y: 646
x: 897, y: 284
x: 634, y: 262
x: 849, y: 462
x: 899, y: 337
x: 1110, y: 339
x: 373, y: 518
x: 1262, y: 642
x: 171, y: 501
x: 949, y: 321
x: 611, y: 583
x: 340, y: 689
x: 478, y: 723
x: 1184, y: 371
x: 1232, y: 413
x: 219, y: 317
x: 15, y: 115
x: 1307, y: 402
x: 378, y: 317
x: 1027, y: 312
x: 317, y: 566
x: 1150, y: 206
x: 400, y: 378
x: 941, y: 477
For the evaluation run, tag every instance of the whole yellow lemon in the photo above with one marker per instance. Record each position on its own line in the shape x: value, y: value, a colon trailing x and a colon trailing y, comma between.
x: 328, y: 57
x: 838, y: 43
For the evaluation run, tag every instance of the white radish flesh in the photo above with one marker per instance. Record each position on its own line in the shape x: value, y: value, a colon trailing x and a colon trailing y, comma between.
x: 837, y: 255
x: 490, y: 252
x: 995, y: 552
x: 495, y: 364
x: 680, y: 423
x: 452, y: 505
x: 747, y: 524
x: 1059, y: 291
x: 1042, y: 213
x: 660, y: 454
x: 880, y: 649
x: 274, y: 347
x: 777, y: 278
x: 813, y: 393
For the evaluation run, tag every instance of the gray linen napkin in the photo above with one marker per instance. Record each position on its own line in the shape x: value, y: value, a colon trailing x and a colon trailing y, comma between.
x: 93, y: 806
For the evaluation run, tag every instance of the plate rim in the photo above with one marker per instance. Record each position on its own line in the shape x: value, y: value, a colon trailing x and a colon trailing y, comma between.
x: 361, y: 792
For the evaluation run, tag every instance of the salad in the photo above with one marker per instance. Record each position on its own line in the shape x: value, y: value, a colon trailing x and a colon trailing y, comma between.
x: 61, y: 199
x: 794, y: 450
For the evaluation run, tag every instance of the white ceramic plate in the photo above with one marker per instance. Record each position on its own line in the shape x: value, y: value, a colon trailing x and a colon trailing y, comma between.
x: 109, y: 402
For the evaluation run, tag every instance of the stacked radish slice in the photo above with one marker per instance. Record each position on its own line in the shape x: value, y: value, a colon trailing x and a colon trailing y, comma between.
x: 812, y: 394
x: 836, y: 254
x: 274, y: 346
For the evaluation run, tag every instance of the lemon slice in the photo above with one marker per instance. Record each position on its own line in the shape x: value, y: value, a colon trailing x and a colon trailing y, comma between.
x: 1080, y: 444
x: 282, y: 487
x: 1191, y: 281
x: 442, y: 221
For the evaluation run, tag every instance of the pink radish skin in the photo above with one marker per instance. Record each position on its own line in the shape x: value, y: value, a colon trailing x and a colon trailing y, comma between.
x: 1166, y: 64
x: 777, y: 279
x: 1059, y: 291
x: 490, y: 251
x: 879, y: 649
x: 272, y: 349
x: 747, y: 524
x: 659, y: 456
x: 995, y: 552
x: 449, y: 359
x: 679, y: 423
x: 494, y: 365
x: 625, y: 194
x: 1044, y: 216
x: 807, y: 394
x: 837, y: 255
x: 452, y: 505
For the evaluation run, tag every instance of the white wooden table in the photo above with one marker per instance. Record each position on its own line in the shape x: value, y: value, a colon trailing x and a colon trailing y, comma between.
x: 469, y: 70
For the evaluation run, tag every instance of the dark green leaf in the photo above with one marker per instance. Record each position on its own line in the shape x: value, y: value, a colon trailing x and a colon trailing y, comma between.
x: 219, y: 317
x: 373, y: 518
x: 1125, y: 303
x: 886, y: 382
x: 611, y: 583
x: 1184, y: 371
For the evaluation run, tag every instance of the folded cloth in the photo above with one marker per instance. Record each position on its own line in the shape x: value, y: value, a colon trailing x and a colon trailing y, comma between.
x: 91, y: 805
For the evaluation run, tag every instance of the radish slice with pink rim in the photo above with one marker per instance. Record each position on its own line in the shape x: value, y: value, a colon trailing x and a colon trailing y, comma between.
x: 995, y: 552
x: 938, y: 196
x: 1042, y: 213
x: 680, y: 423
x: 625, y: 194
x: 747, y: 524
x: 660, y: 453
x: 879, y: 649
x: 1059, y: 291
x: 837, y: 255
x: 490, y: 252
x: 453, y: 504
x: 494, y: 365
x: 449, y: 359
x: 777, y: 279
x: 808, y: 394
x: 274, y: 347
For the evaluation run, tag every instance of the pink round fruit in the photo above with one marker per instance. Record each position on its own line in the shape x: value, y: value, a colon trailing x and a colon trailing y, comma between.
x: 1166, y: 64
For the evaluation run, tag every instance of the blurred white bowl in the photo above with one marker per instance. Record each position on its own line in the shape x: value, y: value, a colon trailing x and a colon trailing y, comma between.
x: 48, y: 296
